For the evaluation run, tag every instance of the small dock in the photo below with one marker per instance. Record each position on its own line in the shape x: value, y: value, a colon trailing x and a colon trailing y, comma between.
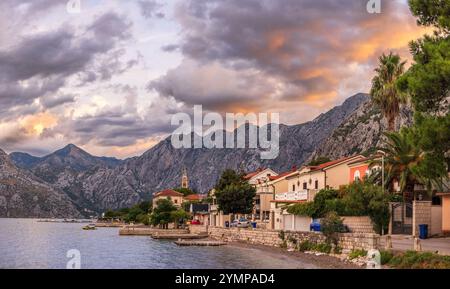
x: 168, y: 236
x: 200, y: 243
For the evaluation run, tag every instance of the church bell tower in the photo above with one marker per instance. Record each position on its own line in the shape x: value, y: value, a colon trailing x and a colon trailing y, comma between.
x: 185, y: 180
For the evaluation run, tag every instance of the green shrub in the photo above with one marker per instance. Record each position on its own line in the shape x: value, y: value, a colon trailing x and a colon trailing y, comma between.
x: 292, y: 240
x: 419, y: 260
x: 305, y: 246
x: 357, y: 199
x: 322, y: 248
x: 331, y: 225
x: 386, y: 257
x: 356, y: 253
x: 337, y: 250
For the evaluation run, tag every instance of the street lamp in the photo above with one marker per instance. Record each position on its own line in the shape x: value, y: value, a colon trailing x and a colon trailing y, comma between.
x: 382, y: 168
x: 382, y: 178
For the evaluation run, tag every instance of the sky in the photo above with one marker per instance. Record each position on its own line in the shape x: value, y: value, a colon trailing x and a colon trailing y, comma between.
x: 110, y: 77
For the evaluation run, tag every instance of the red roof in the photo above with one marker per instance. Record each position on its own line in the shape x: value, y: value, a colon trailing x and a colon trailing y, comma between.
x: 366, y: 160
x: 194, y: 197
x: 282, y: 175
x: 329, y: 164
x: 287, y: 202
x: 251, y: 175
x: 168, y: 193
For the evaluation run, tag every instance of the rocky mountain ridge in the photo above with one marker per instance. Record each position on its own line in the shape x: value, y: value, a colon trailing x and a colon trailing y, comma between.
x: 353, y: 127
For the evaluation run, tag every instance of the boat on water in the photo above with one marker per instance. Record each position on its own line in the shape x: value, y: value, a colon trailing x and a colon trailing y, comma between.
x: 90, y: 227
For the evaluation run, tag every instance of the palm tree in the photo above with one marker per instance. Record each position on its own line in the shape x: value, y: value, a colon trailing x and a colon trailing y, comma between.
x: 384, y: 92
x: 401, y: 160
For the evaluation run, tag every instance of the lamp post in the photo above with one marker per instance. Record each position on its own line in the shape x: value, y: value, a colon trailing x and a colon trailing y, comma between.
x: 382, y: 168
x: 382, y: 178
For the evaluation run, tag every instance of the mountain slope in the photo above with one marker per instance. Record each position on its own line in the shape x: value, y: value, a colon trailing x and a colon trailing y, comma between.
x: 24, y: 195
x: 70, y: 159
x: 161, y: 166
x: 93, y: 185
x: 362, y: 132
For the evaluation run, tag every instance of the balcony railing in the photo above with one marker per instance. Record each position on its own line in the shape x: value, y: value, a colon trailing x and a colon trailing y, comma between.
x: 292, y: 196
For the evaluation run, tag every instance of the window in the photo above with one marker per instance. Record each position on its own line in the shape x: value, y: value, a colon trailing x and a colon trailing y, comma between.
x: 175, y: 201
x: 293, y: 188
x: 316, y: 185
x: 305, y: 185
x: 356, y: 176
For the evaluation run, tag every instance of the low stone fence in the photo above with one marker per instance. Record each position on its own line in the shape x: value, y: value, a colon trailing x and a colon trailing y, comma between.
x: 348, y: 241
x: 148, y: 231
x: 359, y: 224
x: 198, y: 229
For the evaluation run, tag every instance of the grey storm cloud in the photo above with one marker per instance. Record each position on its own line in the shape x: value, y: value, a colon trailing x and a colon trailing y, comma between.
x: 120, y: 125
x: 170, y: 47
x: 151, y: 8
x: 45, y: 60
x: 305, y: 47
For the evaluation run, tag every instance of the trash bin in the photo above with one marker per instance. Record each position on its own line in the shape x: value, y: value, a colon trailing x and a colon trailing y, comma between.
x: 423, y: 231
x: 227, y: 224
x: 254, y: 225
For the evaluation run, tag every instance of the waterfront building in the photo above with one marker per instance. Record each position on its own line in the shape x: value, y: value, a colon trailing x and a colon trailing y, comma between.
x: 176, y: 197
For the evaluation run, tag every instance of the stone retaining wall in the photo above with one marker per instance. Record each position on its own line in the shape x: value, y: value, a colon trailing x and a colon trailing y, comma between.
x: 198, y: 229
x: 421, y: 215
x: 359, y: 224
x: 148, y: 231
x: 348, y: 241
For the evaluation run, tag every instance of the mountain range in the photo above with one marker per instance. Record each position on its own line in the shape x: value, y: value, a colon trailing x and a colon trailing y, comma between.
x: 90, y: 185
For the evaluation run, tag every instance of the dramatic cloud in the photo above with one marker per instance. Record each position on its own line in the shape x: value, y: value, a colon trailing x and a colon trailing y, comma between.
x: 259, y: 51
x: 37, y: 67
x: 150, y: 9
x: 110, y: 77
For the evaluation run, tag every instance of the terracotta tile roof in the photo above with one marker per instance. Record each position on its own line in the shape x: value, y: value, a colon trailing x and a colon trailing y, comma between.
x: 194, y: 197
x: 364, y: 160
x: 329, y: 164
x: 252, y: 174
x: 287, y: 202
x: 282, y: 175
x: 168, y: 193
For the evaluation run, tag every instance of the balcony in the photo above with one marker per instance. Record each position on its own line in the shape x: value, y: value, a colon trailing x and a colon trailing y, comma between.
x: 213, y: 208
x: 293, y: 196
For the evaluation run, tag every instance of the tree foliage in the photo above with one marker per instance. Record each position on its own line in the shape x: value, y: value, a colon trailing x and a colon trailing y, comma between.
x: 319, y: 160
x: 428, y: 80
x: 185, y: 191
x: 163, y: 213
x: 234, y: 195
x: 137, y: 214
x: 385, y: 93
x: 432, y: 13
x: 357, y: 199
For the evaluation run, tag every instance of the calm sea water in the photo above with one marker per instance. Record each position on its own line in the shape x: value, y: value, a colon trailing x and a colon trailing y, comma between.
x: 26, y: 243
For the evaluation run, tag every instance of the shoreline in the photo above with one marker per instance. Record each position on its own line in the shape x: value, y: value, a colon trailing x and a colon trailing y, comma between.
x: 311, y: 261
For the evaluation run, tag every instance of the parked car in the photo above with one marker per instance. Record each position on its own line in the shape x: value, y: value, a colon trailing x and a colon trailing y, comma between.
x: 195, y: 222
x: 315, y: 226
x: 241, y: 223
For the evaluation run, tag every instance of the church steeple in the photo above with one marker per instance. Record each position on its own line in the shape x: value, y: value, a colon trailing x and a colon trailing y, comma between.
x: 185, y: 180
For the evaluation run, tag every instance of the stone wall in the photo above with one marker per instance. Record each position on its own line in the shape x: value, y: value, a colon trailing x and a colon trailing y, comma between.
x: 359, y: 224
x: 421, y: 215
x: 436, y: 220
x: 198, y: 229
x: 272, y: 237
